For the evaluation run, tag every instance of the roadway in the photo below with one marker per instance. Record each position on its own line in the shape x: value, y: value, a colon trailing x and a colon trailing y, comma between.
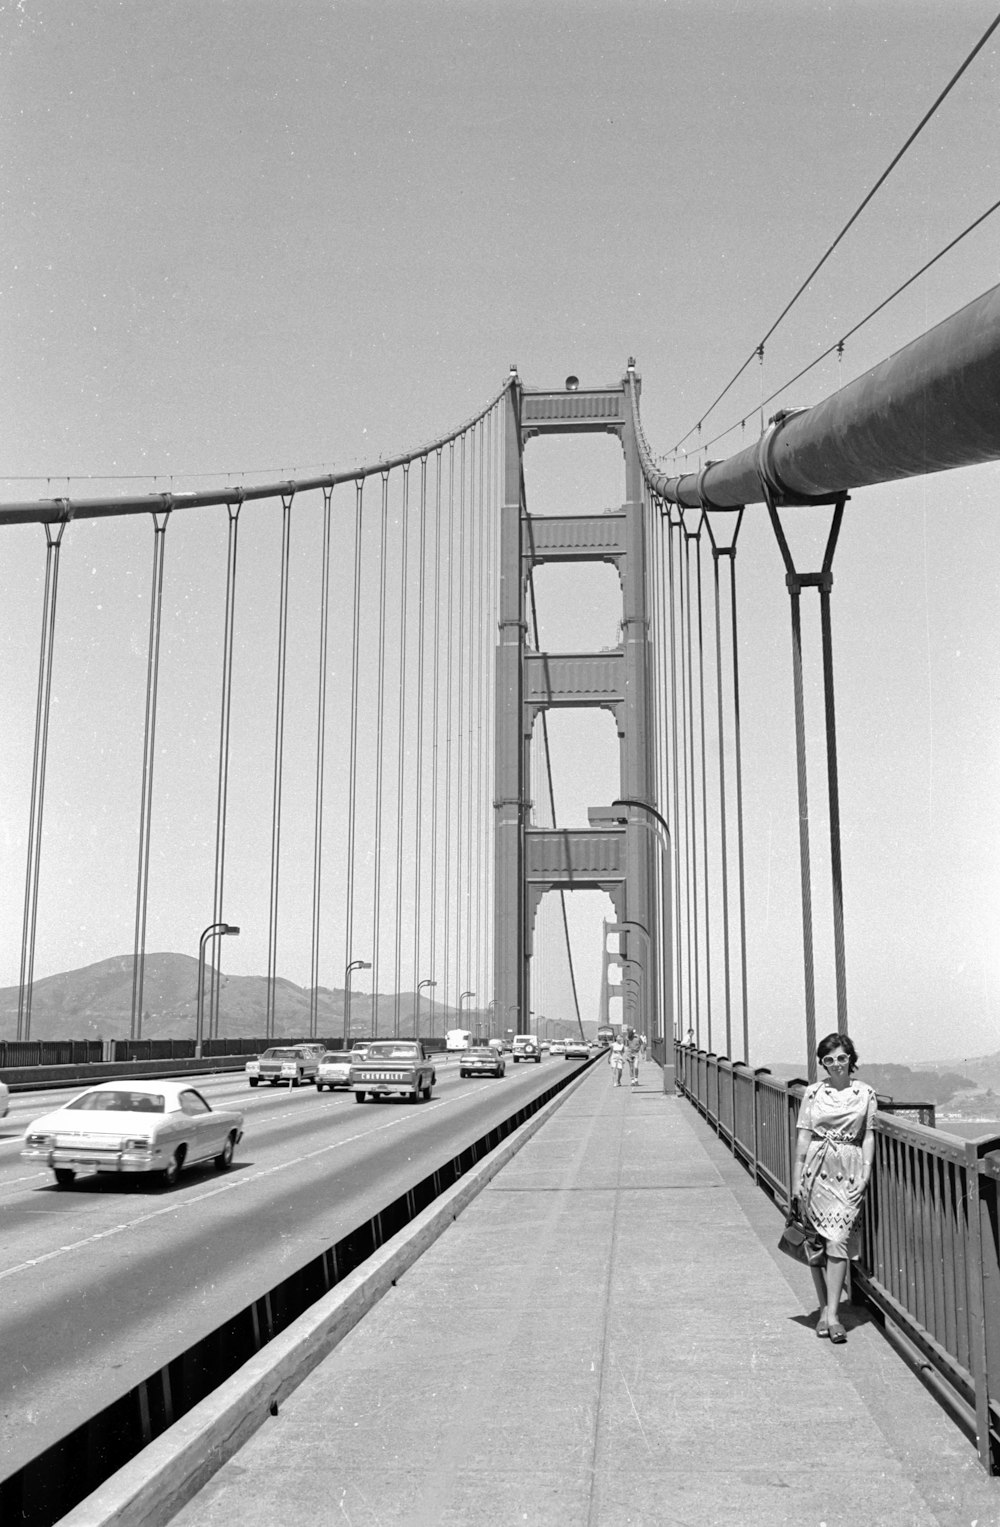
x: 103, y: 1284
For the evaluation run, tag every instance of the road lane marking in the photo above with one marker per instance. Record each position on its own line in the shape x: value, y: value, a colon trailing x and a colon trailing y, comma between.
x: 230, y: 1186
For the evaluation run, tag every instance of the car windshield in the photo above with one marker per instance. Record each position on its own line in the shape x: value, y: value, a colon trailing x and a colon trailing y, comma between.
x: 481, y: 1050
x: 281, y: 1055
x: 108, y: 1100
x: 336, y: 1058
x: 389, y: 1051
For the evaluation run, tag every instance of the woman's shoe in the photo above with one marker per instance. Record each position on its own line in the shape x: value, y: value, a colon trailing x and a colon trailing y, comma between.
x: 822, y: 1325
x: 837, y: 1333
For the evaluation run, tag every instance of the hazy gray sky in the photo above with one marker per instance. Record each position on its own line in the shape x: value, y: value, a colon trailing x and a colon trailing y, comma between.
x: 264, y: 237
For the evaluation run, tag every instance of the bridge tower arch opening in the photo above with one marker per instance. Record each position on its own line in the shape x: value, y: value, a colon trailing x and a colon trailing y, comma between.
x: 619, y: 851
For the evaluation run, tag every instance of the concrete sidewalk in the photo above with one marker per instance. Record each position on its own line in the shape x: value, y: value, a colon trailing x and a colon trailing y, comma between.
x: 606, y: 1335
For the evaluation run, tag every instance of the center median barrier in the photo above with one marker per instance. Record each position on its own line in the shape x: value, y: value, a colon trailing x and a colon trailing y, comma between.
x: 138, y: 1461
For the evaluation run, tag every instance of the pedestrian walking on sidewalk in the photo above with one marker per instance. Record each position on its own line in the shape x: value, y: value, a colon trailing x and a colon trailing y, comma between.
x: 634, y: 1048
x: 833, y: 1164
x: 616, y: 1060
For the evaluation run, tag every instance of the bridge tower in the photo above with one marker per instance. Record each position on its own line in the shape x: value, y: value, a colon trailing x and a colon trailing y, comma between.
x: 624, y: 851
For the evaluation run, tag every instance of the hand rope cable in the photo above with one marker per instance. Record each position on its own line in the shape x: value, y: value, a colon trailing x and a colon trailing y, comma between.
x: 449, y: 648
x: 279, y: 752
x: 552, y: 809
x: 148, y: 761
x: 852, y: 219
x: 435, y: 730
x: 419, y: 813
x: 838, y: 346
x: 383, y: 559
x: 704, y: 792
x: 222, y: 788
x: 401, y: 744
x: 43, y: 709
x: 352, y: 788
x: 324, y: 626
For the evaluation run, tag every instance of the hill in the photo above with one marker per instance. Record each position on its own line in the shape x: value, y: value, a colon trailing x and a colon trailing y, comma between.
x: 929, y: 1084
x: 95, y: 1002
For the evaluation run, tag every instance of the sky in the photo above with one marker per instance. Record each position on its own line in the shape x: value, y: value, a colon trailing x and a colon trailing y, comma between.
x: 257, y: 239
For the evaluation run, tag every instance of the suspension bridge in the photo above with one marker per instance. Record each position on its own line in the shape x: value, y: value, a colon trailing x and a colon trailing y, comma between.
x: 378, y: 792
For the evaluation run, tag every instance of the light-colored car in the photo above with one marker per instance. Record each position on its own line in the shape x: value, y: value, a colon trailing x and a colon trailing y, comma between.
x: 285, y: 1064
x: 4, y: 1099
x: 335, y: 1069
x: 135, y: 1126
x: 557, y: 1047
x: 482, y: 1060
x: 393, y: 1066
x: 526, y: 1047
x: 577, y: 1049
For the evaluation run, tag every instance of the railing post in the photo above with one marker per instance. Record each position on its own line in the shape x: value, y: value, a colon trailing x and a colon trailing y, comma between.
x: 976, y: 1275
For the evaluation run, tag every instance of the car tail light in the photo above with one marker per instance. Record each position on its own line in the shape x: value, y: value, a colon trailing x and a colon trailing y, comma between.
x: 137, y: 1145
x: 40, y: 1140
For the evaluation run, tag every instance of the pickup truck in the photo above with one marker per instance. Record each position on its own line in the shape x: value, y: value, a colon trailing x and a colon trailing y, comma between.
x: 289, y: 1064
x: 393, y: 1065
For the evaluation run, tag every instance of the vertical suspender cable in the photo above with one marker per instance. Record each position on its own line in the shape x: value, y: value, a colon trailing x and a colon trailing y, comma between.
x: 460, y: 759
x: 449, y: 648
x: 148, y: 760
x: 435, y: 731
x: 738, y: 748
x: 693, y: 905
x: 723, y: 835
x: 43, y: 706
x: 840, y: 958
x: 419, y: 814
x: 400, y: 752
x: 682, y: 1013
x: 687, y: 745
x: 279, y: 755
x: 380, y: 734
x: 222, y: 790
x: 324, y: 627
x: 704, y: 796
x: 476, y: 840
x: 352, y: 787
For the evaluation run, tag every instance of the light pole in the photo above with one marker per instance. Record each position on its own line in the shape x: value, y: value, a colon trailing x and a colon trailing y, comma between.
x: 213, y: 928
x: 460, y: 1001
x: 416, y: 1015
x: 354, y: 965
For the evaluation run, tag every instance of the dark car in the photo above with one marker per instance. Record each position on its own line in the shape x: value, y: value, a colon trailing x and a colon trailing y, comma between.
x: 482, y: 1060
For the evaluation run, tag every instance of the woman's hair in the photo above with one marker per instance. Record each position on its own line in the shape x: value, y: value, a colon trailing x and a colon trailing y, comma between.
x: 838, y: 1042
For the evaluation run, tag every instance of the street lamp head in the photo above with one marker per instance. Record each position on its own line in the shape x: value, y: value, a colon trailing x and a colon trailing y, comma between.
x: 229, y: 929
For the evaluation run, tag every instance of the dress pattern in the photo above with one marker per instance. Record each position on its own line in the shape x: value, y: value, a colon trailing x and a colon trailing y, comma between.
x: 831, y: 1191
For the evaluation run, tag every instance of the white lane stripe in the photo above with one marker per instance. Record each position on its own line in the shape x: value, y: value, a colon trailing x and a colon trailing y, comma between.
x: 230, y: 1186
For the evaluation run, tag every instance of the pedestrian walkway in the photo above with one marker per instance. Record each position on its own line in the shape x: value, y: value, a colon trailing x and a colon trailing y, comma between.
x: 606, y: 1335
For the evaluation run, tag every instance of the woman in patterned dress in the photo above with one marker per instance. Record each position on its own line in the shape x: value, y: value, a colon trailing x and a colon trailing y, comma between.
x: 833, y: 1163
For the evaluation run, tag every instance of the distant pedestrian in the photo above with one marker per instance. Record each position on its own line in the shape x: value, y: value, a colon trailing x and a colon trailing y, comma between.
x: 832, y: 1167
x: 616, y: 1060
x: 634, y: 1048
x: 643, y: 1042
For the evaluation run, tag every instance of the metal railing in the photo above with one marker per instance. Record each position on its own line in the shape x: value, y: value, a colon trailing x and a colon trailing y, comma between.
x: 930, y: 1259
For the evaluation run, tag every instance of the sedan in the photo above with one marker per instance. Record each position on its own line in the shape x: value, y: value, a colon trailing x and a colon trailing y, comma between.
x: 482, y: 1060
x: 156, y: 1127
x: 577, y: 1049
x: 335, y: 1069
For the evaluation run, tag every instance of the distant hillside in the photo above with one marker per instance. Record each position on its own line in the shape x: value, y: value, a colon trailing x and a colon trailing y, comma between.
x: 96, y: 1003
x: 929, y: 1084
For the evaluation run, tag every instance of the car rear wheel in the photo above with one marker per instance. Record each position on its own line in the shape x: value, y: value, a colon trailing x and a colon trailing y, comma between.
x: 65, y: 1177
x: 415, y: 1096
x: 224, y: 1160
x: 294, y: 1082
x: 427, y: 1094
x: 254, y: 1080
x: 359, y: 1097
x: 172, y: 1170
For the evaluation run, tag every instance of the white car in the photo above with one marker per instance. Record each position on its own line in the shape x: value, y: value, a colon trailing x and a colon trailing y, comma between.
x: 335, y: 1069
x: 135, y: 1126
x: 4, y: 1099
x: 526, y: 1047
x: 557, y: 1047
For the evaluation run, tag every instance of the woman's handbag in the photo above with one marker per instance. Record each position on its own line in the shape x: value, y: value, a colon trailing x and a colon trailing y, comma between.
x: 802, y: 1243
